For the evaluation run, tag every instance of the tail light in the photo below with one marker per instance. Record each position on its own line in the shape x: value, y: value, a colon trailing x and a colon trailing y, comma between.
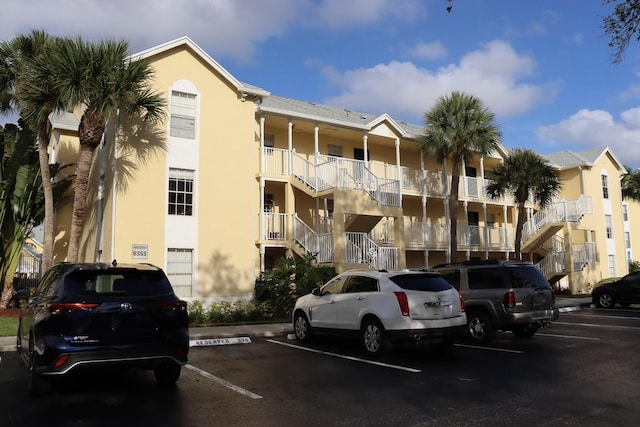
x: 57, y: 308
x: 509, y: 300
x: 403, y: 302
x: 461, y: 301
x: 172, y: 305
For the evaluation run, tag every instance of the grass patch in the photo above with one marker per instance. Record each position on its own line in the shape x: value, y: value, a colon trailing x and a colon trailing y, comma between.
x: 8, y: 326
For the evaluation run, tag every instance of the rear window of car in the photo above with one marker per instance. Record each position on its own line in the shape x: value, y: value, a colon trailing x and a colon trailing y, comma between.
x: 526, y: 277
x: 421, y: 282
x: 485, y: 278
x: 117, y: 283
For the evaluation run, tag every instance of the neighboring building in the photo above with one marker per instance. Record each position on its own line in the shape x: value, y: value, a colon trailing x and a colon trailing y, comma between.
x: 238, y: 178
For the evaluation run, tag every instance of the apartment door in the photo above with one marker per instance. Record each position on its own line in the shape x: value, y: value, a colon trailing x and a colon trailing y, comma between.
x: 472, y: 181
x: 473, y: 221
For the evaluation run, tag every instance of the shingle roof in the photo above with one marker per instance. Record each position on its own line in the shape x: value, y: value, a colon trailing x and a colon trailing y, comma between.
x: 331, y: 114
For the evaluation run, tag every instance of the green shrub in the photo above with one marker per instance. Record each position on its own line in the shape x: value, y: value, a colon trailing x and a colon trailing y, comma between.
x: 292, y: 278
x: 196, y: 312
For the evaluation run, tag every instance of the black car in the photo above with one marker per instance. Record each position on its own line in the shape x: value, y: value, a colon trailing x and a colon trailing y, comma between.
x: 624, y: 291
x: 93, y: 315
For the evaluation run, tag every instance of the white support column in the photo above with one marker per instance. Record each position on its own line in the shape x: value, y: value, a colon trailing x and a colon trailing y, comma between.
x: 290, y: 147
x: 397, y: 143
x: 365, y: 144
x: 261, y: 214
x: 262, y: 159
x: 316, y: 144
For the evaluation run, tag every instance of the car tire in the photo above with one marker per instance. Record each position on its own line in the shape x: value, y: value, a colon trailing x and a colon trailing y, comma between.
x: 301, y: 327
x: 374, y: 338
x: 167, y: 374
x: 605, y: 300
x: 479, y: 327
x: 525, y: 331
x: 38, y: 385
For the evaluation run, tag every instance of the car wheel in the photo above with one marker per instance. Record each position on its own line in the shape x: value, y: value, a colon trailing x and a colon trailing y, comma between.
x: 479, y: 327
x: 167, y: 374
x: 605, y: 300
x: 301, y: 327
x: 38, y: 385
x: 373, y: 337
x: 525, y: 331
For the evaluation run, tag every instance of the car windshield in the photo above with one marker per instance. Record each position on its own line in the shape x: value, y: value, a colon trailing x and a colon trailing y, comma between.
x: 117, y: 282
x: 421, y: 282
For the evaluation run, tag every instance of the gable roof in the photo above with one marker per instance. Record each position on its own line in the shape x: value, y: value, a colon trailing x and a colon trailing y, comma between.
x: 570, y: 159
x: 186, y: 41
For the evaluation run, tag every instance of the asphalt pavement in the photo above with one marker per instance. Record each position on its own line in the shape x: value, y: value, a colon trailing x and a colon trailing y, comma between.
x: 271, y: 330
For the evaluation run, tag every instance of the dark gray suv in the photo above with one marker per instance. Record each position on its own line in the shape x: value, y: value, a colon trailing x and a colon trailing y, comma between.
x: 501, y: 295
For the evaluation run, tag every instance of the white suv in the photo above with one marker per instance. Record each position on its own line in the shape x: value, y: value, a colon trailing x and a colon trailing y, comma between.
x: 382, y: 308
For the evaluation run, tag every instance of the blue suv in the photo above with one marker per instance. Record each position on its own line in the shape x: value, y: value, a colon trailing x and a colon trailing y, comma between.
x: 92, y: 315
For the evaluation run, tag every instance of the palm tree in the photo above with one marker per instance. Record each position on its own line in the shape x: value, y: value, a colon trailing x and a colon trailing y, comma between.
x: 26, y: 86
x: 459, y: 128
x: 524, y: 174
x: 631, y: 184
x: 100, y: 80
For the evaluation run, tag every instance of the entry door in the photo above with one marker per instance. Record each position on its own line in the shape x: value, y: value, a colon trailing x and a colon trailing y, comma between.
x: 472, y: 181
x: 473, y: 220
x: 358, y: 173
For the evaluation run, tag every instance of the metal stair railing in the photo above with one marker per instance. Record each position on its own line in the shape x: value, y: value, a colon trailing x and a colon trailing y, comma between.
x: 321, y: 245
x: 361, y: 249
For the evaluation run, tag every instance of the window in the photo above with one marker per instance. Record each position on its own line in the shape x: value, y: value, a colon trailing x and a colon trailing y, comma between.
x: 269, y: 140
x: 180, y: 271
x: 605, y: 186
x: 612, y: 266
x: 451, y: 276
x: 183, y: 115
x: 608, y: 219
x: 625, y: 213
x: 627, y: 240
x: 181, y: 192
x: 361, y: 284
x: 334, y: 150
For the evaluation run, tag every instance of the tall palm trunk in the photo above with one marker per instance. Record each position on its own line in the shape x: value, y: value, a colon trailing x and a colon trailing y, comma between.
x: 522, y: 217
x: 90, y: 133
x: 47, y: 187
x: 453, y: 208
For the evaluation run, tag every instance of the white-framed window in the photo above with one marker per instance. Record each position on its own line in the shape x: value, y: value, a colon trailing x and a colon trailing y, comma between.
x: 605, y: 186
x: 183, y: 115
x: 625, y: 213
x: 608, y: 221
x: 334, y: 150
x: 612, y: 266
x: 180, y: 271
x: 627, y: 239
x: 180, y: 192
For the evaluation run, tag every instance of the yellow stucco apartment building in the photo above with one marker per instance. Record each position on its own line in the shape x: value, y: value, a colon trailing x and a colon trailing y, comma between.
x: 238, y: 178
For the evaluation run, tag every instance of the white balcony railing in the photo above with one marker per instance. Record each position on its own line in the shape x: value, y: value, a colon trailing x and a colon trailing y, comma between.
x: 274, y: 226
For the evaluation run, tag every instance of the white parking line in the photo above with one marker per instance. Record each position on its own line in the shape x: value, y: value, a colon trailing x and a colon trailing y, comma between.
x: 593, y: 325
x: 223, y: 382
x: 568, y: 336
x: 503, y: 350
x: 355, y: 359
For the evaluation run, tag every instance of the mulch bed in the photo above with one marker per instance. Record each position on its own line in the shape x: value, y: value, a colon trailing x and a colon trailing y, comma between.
x: 10, y: 312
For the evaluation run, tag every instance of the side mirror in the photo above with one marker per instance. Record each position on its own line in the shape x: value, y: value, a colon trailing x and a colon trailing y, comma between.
x: 22, y: 294
x: 316, y: 292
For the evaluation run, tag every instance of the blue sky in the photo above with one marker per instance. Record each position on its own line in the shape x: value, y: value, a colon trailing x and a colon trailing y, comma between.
x: 542, y: 66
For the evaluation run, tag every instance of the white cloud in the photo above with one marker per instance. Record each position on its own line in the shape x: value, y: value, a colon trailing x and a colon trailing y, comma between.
x: 597, y: 128
x: 422, y: 50
x: 223, y: 27
x: 494, y: 74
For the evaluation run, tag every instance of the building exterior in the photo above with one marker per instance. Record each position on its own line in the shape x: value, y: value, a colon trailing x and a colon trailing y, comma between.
x: 237, y: 178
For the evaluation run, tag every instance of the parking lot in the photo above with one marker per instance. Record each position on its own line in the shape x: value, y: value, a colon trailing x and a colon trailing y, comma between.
x: 583, y: 371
